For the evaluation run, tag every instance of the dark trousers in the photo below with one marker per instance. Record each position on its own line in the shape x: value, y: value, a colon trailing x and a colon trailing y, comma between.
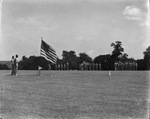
x: 13, y: 70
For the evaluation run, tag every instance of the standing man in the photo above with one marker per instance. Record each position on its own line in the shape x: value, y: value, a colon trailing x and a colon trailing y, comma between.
x: 13, y: 66
x: 16, y: 65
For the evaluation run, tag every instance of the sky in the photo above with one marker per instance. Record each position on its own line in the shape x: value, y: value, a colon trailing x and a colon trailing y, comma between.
x: 84, y: 26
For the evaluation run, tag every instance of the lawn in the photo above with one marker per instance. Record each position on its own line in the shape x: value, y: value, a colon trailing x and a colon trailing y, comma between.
x: 74, y: 95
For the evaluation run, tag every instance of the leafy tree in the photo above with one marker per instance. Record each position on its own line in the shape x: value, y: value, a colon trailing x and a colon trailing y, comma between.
x: 28, y: 63
x: 146, y: 61
x: 24, y: 58
x: 105, y: 61
x: 3, y: 67
x: 140, y: 63
x: 118, y: 49
x: 60, y: 61
x: 131, y: 60
x: 85, y: 57
x: 123, y: 57
x: 71, y: 58
x: 67, y: 56
x: 23, y: 62
x: 32, y: 63
x: 40, y: 61
x: 101, y: 58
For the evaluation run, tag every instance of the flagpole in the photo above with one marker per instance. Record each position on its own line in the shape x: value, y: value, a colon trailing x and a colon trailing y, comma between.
x: 39, y: 69
x: 40, y: 45
x: 48, y: 52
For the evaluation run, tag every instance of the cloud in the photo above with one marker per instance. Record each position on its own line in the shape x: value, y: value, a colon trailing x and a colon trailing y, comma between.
x: 146, y: 23
x: 29, y: 20
x: 80, y: 38
x: 46, y: 28
x: 91, y: 52
x: 133, y: 13
x: 35, y: 23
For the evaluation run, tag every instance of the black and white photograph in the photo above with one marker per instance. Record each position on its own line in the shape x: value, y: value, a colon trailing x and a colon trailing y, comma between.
x: 74, y: 59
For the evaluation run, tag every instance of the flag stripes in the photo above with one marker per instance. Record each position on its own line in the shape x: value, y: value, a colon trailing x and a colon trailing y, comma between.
x: 48, y: 52
x: 48, y: 56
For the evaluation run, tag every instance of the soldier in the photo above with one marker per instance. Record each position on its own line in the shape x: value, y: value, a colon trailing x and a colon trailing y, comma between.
x: 61, y: 66
x: 55, y: 66
x: 90, y: 66
x: 96, y: 66
x: 99, y: 66
x: 67, y: 66
x: 125, y: 66
x: 122, y: 66
x: 16, y: 65
x: 64, y: 66
x: 119, y: 67
x: 86, y: 67
x: 12, y: 66
x: 49, y: 67
x: 131, y: 65
x: 58, y: 66
x: 136, y: 65
x: 93, y: 66
x: 116, y: 67
x: 81, y: 66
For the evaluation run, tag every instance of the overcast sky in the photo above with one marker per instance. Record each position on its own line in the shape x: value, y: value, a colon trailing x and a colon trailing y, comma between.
x: 81, y: 25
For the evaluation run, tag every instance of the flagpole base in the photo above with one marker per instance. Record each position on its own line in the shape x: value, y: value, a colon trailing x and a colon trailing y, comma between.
x: 38, y: 72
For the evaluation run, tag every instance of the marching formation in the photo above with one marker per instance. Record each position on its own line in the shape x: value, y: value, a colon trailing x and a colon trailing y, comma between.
x: 88, y: 66
x: 95, y: 66
x: 82, y: 66
x: 125, y: 65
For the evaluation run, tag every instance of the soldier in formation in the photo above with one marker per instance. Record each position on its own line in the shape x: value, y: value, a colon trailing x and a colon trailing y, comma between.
x: 126, y: 65
x: 89, y: 66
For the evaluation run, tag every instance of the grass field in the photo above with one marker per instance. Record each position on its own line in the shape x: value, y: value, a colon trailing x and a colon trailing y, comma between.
x: 74, y: 95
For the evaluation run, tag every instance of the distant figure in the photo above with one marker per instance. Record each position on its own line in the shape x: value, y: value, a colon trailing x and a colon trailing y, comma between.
x: 49, y: 67
x: 56, y: 67
x: 13, y: 66
x: 67, y: 66
x: 64, y: 66
x: 16, y: 65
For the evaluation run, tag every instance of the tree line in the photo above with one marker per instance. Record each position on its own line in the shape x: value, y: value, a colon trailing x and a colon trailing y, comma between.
x: 3, y: 67
x: 70, y: 60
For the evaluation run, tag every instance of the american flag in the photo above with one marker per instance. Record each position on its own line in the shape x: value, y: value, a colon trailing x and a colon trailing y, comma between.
x: 48, y: 52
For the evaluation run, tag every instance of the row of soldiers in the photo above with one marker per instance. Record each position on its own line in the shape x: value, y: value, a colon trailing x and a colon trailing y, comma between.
x: 82, y: 66
x: 126, y: 65
x: 62, y: 66
x: 87, y: 66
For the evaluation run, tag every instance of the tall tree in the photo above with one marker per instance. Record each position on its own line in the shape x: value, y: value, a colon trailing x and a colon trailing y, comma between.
x: 118, y: 50
x: 32, y: 63
x: 71, y: 58
x: 105, y: 61
x: 123, y: 57
x: 146, y: 61
x: 140, y: 63
x: 85, y: 57
x: 3, y: 67
x: 23, y: 63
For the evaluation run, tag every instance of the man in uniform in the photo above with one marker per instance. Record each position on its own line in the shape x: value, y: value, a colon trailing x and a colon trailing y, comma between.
x: 16, y: 65
x: 12, y: 66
